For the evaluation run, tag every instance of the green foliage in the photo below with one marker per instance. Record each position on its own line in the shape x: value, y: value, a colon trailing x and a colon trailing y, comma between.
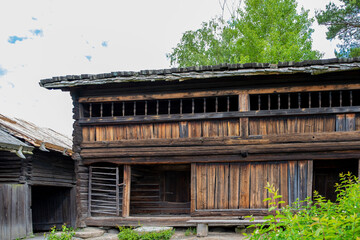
x: 262, y: 31
x: 318, y: 219
x: 343, y: 22
x: 65, y: 233
x: 127, y: 233
x: 190, y: 231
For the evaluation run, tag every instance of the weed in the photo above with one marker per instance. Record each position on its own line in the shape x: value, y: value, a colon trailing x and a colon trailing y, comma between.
x: 128, y: 233
x: 318, y: 219
x: 65, y: 233
x: 190, y: 231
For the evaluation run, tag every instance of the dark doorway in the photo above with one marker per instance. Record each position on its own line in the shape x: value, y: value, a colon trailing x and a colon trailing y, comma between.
x: 51, y: 206
x: 160, y: 189
x: 326, y: 174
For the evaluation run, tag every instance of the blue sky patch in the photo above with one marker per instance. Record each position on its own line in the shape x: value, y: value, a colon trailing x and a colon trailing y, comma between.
x: 13, y: 39
x: 34, y: 18
x: 104, y: 44
x: 37, y: 32
x: 3, y: 71
x: 88, y: 58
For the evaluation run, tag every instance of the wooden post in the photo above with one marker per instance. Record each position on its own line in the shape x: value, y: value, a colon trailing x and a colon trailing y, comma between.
x: 89, y: 197
x: 243, y: 107
x: 359, y: 168
x: 310, y: 175
x: 193, y: 188
x: 126, y: 191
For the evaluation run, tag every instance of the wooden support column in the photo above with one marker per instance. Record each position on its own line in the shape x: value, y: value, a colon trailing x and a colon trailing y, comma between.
x: 244, y: 107
x: 126, y: 191
x: 193, y: 188
x: 310, y: 178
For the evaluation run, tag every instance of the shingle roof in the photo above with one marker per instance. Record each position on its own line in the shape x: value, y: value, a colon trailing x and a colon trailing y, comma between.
x: 35, y: 135
x: 203, y: 72
x: 8, y: 142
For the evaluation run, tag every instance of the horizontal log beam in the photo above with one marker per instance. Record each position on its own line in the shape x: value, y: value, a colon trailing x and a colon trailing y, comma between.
x: 228, y: 158
x: 242, y: 150
x: 220, y: 115
x: 230, y: 212
x: 230, y: 141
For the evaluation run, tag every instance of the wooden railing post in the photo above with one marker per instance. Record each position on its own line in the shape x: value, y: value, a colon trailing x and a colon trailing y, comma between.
x: 244, y: 121
x: 126, y: 191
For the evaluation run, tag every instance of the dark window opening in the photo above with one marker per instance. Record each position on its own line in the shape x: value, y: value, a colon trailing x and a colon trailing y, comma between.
x: 140, y: 108
x: 320, y: 99
x: 175, y: 106
x: 129, y: 108
x: 107, y: 110
x: 187, y: 105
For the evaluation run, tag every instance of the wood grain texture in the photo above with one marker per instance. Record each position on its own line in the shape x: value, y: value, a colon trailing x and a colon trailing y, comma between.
x: 126, y: 191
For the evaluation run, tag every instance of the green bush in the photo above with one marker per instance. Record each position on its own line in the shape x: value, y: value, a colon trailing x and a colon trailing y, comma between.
x: 317, y: 219
x: 65, y: 233
x: 129, y: 234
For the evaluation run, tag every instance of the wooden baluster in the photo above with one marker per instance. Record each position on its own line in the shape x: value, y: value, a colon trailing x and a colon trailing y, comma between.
x: 269, y: 102
x: 228, y: 103
x: 309, y: 100
x: 216, y: 104
x: 351, y: 102
x: 259, y: 102
x: 101, y: 109
x: 192, y: 106
x: 123, y: 108
x: 169, y: 106
x: 341, y: 99
x: 134, y: 108
x: 299, y: 100
x: 146, y: 108
x: 204, y: 105
x: 319, y: 99
x: 181, y: 106
x: 289, y: 101
x: 330, y: 99
x: 112, y: 109
x: 157, y: 107
x: 279, y: 102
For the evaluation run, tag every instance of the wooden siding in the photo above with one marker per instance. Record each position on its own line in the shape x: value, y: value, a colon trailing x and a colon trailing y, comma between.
x: 15, y: 213
x: 241, y: 185
x: 12, y: 168
x: 183, y: 129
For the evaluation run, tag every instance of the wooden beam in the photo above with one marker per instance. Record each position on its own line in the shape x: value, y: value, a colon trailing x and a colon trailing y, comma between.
x: 231, y: 212
x: 193, y: 188
x: 126, y: 191
x: 228, y: 158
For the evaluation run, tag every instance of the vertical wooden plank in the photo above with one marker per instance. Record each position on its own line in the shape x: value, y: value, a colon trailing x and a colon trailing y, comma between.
x: 205, y: 126
x: 175, y: 130
x: 340, y: 123
x: 99, y: 133
x: 85, y: 134
x: 168, y: 130
x: 302, y: 173
x: 194, y: 128
x: 273, y: 170
x: 183, y: 130
x: 91, y: 134
x: 109, y: 133
x: 213, y: 128
x: 292, y: 179
x: 162, y: 130
x: 193, y: 188
x: 211, y: 179
x: 284, y: 183
x: 310, y: 176
x: 244, y: 200
x: 254, y: 186
x: 201, y: 186
x: 234, y: 127
x: 126, y: 191
x: 234, y: 185
x: 350, y: 122
x: 225, y: 198
x: 244, y: 127
x: 263, y: 179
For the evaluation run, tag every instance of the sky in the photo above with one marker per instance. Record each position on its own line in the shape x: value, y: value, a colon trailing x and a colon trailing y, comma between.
x: 45, y: 38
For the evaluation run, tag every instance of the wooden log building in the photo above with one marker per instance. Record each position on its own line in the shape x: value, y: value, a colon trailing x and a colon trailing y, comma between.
x: 37, y: 179
x: 161, y: 147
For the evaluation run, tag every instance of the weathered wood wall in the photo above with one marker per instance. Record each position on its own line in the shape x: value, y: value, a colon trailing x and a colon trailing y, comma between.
x: 12, y: 168
x: 183, y: 129
x: 15, y: 212
x: 242, y: 185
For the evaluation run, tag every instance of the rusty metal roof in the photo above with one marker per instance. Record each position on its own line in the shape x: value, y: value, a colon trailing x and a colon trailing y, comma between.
x: 312, y: 67
x: 35, y: 135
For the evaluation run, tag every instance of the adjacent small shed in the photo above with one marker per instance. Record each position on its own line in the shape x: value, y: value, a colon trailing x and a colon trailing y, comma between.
x: 36, y: 179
